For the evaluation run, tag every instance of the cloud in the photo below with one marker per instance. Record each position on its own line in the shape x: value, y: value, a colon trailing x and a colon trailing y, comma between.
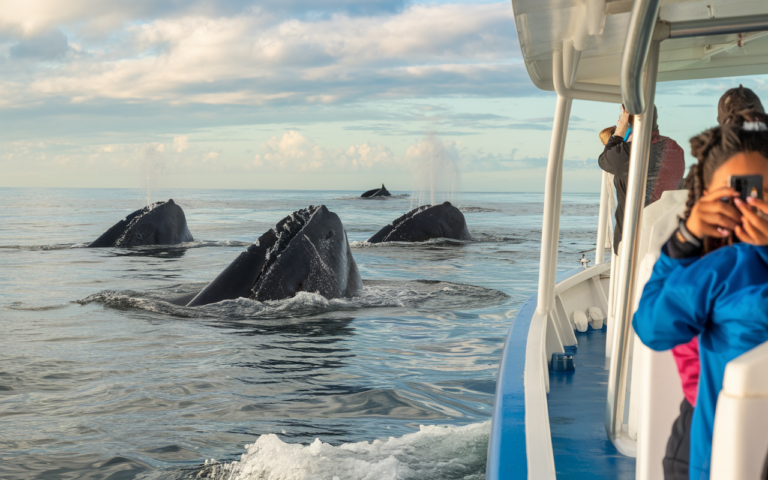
x: 50, y: 45
x: 103, y: 17
x: 295, y: 152
x: 258, y: 57
x: 181, y: 143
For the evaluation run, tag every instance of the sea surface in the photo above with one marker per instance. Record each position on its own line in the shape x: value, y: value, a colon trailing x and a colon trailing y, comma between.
x: 101, y: 377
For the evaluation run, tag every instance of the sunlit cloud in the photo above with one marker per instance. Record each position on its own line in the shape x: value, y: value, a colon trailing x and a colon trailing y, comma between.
x: 295, y: 152
x: 257, y: 57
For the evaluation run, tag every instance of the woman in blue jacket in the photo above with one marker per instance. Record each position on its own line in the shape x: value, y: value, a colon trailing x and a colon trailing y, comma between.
x: 721, y: 296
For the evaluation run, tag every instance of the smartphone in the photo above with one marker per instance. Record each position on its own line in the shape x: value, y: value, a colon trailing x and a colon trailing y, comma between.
x: 747, y: 186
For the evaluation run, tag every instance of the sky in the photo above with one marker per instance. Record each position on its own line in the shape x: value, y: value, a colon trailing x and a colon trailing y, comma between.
x: 291, y: 94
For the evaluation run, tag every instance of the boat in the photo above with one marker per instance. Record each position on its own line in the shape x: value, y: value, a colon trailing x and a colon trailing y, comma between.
x: 597, y: 403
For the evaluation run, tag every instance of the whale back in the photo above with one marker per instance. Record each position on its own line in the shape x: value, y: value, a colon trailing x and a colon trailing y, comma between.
x: 238, y: 278
x: 425, y: 223
x: 161, y: 223
x: 110, y: 237
x: 377, y: 192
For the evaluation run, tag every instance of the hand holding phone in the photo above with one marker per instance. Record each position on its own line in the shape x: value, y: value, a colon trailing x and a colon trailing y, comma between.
x: 714, y: 215
x: 622, y: 124
x: 754, y: 224
x: 747, y: 186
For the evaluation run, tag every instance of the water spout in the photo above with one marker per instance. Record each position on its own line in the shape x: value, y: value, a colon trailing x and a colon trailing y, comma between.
x: 436, y: 173
x: 152, y: 170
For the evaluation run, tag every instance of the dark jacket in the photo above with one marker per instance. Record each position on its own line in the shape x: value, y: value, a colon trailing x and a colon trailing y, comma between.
x: 665, y: 170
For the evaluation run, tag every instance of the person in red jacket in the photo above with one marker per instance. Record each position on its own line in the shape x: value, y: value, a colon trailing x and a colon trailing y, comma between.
x: 666, y: 166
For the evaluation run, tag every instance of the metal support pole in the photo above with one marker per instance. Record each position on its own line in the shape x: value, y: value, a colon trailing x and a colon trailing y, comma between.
x: 550, y: 226
x: 636, y: 51
x: 602, y: 222
x: 718, y: 26
x: 556, y: 217
x: 633, y: 217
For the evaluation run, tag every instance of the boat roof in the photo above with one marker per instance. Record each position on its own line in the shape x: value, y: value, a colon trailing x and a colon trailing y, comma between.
x: 544, y: 25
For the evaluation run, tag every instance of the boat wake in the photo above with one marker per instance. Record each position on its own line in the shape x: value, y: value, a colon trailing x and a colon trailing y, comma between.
x: 434, y: 452
x: 421, y: 294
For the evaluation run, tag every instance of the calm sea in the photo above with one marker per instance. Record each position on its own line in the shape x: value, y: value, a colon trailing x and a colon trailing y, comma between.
x: 101, y: 378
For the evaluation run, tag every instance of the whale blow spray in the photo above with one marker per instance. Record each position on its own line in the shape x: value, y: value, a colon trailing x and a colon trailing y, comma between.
x: 152, y: 169
x: 436, y: 173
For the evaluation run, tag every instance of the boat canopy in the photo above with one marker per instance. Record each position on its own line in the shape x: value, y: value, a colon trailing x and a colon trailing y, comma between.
x: 597, y: 29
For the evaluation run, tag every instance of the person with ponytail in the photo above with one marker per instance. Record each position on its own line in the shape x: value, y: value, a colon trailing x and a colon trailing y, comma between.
x: 707, y: 284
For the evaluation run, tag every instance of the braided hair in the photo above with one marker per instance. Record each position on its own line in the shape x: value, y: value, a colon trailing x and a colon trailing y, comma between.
x: 745, y: 131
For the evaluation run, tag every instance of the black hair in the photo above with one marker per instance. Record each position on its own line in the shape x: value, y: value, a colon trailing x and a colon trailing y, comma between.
x: 717, y: 145
x: 737, y: 100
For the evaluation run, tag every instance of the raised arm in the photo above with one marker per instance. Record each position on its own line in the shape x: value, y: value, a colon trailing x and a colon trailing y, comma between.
x: 615, y: 157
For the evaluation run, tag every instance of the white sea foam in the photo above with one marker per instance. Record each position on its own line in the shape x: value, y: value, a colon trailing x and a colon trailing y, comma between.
x: 375, y: 294
x: 434, y: 452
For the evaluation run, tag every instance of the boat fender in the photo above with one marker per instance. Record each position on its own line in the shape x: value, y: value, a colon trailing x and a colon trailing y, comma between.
x: 596, y: 317
x: 580, y: 321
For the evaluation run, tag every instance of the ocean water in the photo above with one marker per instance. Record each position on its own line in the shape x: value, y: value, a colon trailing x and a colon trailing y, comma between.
x: 100, y: 377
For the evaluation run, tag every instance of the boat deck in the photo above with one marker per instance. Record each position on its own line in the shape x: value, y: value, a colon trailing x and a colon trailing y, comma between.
x: 577, y: 417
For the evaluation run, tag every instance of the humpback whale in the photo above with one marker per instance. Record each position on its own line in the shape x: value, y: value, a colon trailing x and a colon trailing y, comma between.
x: 306, y: 251
x: 377, y: 192
x: 424, y: 223
x: 161, y: 223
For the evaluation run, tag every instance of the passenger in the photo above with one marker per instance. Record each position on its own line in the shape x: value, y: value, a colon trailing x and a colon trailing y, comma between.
x: 665, y: 168
x: 737, y: 100
x: 723, y: 295
x: 675, y: 461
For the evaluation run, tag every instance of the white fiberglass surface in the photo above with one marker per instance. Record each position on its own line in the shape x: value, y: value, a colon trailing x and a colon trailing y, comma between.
x: 543, y: 26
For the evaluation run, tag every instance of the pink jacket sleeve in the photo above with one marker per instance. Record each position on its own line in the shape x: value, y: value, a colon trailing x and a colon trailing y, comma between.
x: 688, y: 366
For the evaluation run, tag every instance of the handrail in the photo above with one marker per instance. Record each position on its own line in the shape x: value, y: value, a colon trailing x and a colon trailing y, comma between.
x: 550, y: 226
x: 540, y: 455
x: 639, y: 36
x: 718, y: 26
x: 602, y: 222
x: 625, y: 293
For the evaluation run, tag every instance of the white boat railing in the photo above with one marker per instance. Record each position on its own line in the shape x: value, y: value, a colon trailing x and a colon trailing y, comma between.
x: 550, y: 232
x: 604, y: 219
x: 739, y: 442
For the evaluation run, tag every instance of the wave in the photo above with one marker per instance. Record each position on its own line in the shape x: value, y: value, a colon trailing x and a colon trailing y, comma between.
x: 52, y: 246
x: 434, y: 452
x: 478, y: 209
x: 422, y: 294
x: 184, y: 246
x: 476, y: 238
x: 430, y: 242
x: 391, y: 197
x: 32, y: 308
